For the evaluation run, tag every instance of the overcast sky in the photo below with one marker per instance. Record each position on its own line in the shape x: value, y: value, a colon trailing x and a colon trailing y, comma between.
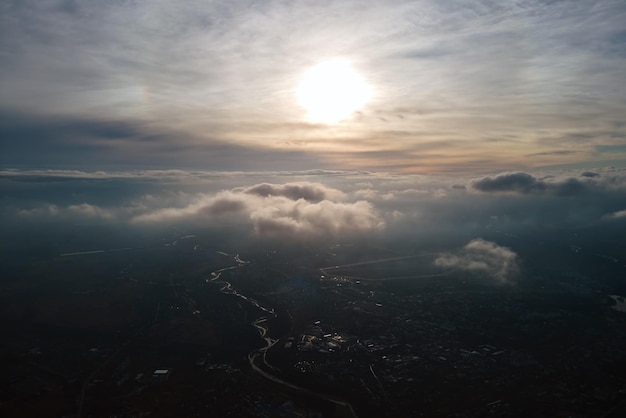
x: 456, y: 86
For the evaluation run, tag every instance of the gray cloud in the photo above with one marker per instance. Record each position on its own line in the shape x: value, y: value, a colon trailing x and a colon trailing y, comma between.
x: 37, y: 141
x: 314, y: 192
x: 222, y: 206
x: 485, y: 257
x: 557, y: 152
x: 524, y: 183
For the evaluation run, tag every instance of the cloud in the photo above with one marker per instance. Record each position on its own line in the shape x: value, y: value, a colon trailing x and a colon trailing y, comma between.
x: 132, y: 143
x: 88, y: 210
x: 324, y: 218
x: 162, y: 83
x: 620, y: 214
x: 393, y: 207
x: 199, y: 207
x: 223, y: 206
x: 37, y: 175
x: 314, y: 192
x: 524, y: 183
x: 292, y: 210
x: 72, y: 212
x: 299, y: 209
x: 485, y: 257
x: 556, y: 152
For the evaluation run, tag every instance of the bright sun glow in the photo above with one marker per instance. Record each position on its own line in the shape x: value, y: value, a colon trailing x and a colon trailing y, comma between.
x: 332, y: 91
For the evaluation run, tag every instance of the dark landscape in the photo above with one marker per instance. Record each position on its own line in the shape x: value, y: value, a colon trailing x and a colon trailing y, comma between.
x: 91, y: 314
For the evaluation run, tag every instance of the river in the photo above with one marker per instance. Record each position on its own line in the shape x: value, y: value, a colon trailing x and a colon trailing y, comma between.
x: 261, y: 323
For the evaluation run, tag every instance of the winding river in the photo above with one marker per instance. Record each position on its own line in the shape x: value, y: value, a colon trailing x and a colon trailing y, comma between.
x: 257, y: 358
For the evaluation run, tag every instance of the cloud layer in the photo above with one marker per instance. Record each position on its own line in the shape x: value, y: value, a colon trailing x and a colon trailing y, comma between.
x: 436, y: 210
x: 458, y: 87
x: 487, y: 227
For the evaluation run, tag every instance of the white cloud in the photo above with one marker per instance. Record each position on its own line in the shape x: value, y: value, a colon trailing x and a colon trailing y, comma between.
x: 323, y: 218
x: 620, y: 214
x: 292, y: 209
x: 486, y: 257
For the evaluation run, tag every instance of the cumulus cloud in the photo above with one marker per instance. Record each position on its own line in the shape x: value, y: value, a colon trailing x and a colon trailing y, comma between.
x: 223, y: 206
x: 486, y: 257
x: 525, y: 183
x: 206, y: 207
x: 289, y: 209
x: 314, y: 219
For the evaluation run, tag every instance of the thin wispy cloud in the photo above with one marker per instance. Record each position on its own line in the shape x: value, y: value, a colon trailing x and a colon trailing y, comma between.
x: 198, y: 75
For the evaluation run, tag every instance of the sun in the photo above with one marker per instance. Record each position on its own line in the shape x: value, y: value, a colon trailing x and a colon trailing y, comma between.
x: 332, y: 91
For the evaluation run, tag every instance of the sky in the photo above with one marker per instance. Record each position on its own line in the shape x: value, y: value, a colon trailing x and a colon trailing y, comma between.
x: 480, y: 129
x: 465, y: 88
